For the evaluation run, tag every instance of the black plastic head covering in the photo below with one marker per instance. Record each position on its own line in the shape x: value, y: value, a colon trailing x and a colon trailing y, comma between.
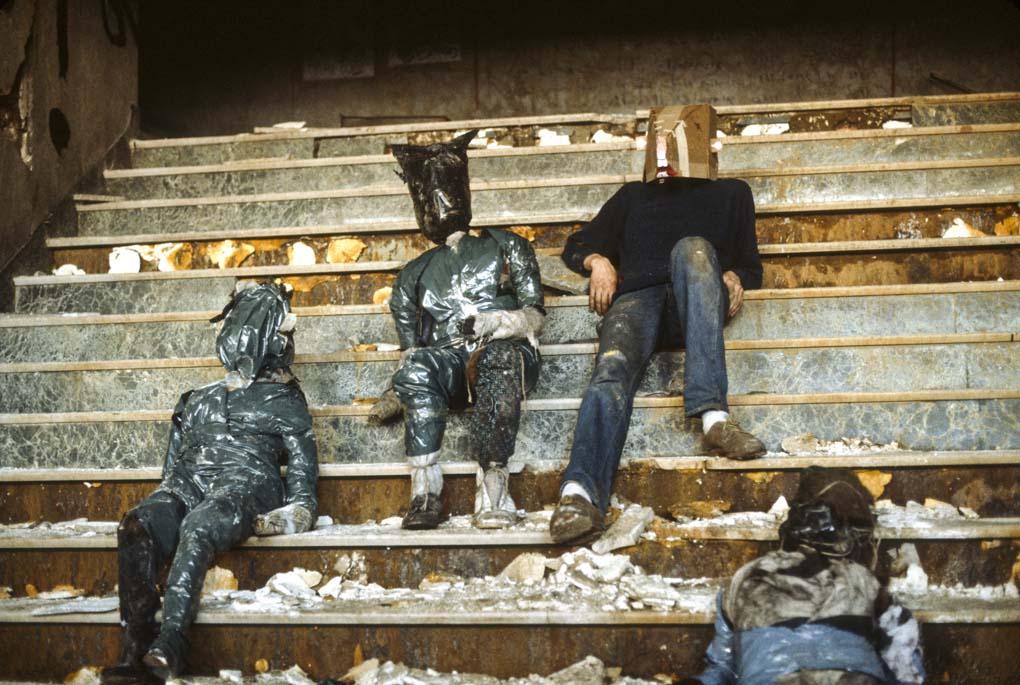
x: 257, y: 333
x: 437, y: 177
x: 832, y: 515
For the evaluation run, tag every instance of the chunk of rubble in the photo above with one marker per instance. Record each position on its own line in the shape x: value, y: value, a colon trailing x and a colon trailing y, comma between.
x: 874, y: 481
x: 626, y: 530
x: 548, y: 137
x: 344, y: 250
x: 699, y: 509
x: 764, y: 129
x: 228, y: 675
x: 84, y: 676
x: 68, y: 270
x: 125, y: 260
x: 896, y: 123
x: 382, y: 295
x: 600, y: 136
x: 300, y: 254
x: 218, y: 578
x: 961, y: 229
x: 808, y: 444
x: 528, y: 567
x: 228, y: 255
x: 293, y: 583
x: 1008, y: 226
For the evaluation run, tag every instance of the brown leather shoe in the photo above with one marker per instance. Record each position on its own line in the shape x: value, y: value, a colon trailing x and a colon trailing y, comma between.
x: 574, y: 517
x: 728, y: 439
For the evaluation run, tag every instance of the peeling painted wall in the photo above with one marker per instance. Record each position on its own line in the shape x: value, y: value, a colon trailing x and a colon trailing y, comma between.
x: 67, y: 89
x: 333, y: 62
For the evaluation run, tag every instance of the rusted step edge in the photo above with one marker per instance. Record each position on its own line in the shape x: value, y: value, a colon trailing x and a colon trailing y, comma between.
x: 778, y: 250
x: 276, y: 163
x: 565, y: 404
x: 891, y: 459
x: 84, y: 318
x: 526, y: 184
x: 554, y: 350
x: 949, y: 610
x: 577, y: 118
x: 355, y: 537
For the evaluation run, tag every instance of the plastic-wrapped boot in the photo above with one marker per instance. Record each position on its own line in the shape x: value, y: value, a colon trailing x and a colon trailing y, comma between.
x: 426, y: 507
x: 494, y: 507
x: 167, y: 657
x: 139, y: 601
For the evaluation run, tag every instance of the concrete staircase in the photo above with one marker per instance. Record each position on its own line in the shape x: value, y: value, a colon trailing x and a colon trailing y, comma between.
x: 871, y: 324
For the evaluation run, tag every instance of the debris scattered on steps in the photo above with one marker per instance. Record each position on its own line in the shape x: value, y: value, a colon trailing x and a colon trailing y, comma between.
x: 600, y: 136
x: 68, y: 270
x: 218, y: 578
x: 527, y: 232
x: 528, y: 567
x: 125, y: 260
x: 699, y: 509
x: 896, y: 123
x: 548, y: 137
x: 874, y: 481
x: 343, y: 250
x: 84, y: 676
x: 290, y: 125
x: 764, y: 129
x: 300, y: 254
x: 1008, y: 226
x: 229, y: 675
x: 916, y: 515
x: 80, y: 527
x: 961, y: 229
x: 626, y: 530
x: 382, y: 295
x: 915, y: 584
x: 807, y: 443
x: 227, y: 254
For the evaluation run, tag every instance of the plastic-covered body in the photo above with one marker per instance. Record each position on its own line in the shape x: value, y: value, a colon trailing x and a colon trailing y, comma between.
x: 788, y: 617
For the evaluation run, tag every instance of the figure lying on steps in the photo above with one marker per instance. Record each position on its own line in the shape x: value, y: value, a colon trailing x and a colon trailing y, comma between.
x: 814, y: 613
x: 221, y: 481
x: 468, y: 313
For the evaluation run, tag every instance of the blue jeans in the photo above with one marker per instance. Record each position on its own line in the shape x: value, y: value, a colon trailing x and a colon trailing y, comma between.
x: 688, y: 312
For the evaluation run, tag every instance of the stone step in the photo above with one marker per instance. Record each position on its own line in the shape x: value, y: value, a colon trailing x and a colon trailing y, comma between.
x: 953, y: 308
x: 83, y: 554
x: 952, y: 182
x: 959, y: 419
x: 356, y: 492
x: 740, y: 157
x: 826, y: 365
x: 830, y: 264
x: 963, y: 636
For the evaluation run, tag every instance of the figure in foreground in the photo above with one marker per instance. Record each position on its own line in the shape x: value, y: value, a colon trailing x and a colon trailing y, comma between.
x: 814, y: 613
x: 468, y: 313
x: 221, y: 481
x: 669, y: 261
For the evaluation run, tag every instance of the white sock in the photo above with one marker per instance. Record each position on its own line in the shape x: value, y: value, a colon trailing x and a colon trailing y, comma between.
x: 712, y: 417
x: 572, y: 487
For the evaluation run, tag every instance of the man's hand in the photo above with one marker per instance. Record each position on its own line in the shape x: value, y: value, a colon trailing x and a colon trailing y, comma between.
x: 732, y: 282
x: 287, y: 520
x: 603, y: 283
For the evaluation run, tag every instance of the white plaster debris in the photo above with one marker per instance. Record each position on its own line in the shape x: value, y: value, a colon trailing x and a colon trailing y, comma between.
x: 626, y: 530
x: 600, y: 136
x: 807, y: 443
x: 549, y: 137
x: 80, y: 527
x: 68, y: 270
x: 291, y: 125
x: 90, y: 675
x: 914, y: 584
x: 125, y: 260
x: 895, y: 123
x: 764, y: 129
x: 961, y: 229
x: 323, y: 521
x: 231, y: 676
x: 528, y: 567
x: 916, y: 515
x: 301, y: 254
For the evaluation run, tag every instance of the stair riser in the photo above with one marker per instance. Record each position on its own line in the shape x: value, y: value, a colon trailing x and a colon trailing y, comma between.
x: 759, y: 319
x: 547, y: 435
x: 989, y: 490
x: 498, y: 168
x: 868, y: 369
x: 1001, y: 112
x: 95, y: 571
x: 879, y: 150
x: 968, y: 655
x: 188, y: 155
x: 779, y: 190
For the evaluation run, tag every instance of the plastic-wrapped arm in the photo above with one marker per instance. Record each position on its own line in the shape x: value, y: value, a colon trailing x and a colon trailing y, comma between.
x: 404, y: 304
x: 302, y: 470
x: 524, y: 274
x: 173, y: 448
x: 719, y: 669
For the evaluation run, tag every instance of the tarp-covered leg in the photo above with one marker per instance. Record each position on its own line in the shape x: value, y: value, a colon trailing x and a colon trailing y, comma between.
x: 497, y: 371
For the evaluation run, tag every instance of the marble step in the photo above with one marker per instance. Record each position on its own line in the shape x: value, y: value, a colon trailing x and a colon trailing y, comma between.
x: 84, y: 553
x: 974, y: 112
x: 740, y: 156
x: 353, y: 493
x: 956, y: 182
x: 790, y: 314
x: 963, y: 635
x: 755, y: 367
x: 958, y: 419
x: 830, y: 264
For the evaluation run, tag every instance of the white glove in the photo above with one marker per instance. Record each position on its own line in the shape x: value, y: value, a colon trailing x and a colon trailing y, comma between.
x: 287, y: 520
x: 502, y: 325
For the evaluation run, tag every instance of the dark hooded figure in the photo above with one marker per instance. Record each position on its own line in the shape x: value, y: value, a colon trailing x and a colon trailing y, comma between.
x: 221, y: 481
x: 468, y: 313
x: 814, y: 613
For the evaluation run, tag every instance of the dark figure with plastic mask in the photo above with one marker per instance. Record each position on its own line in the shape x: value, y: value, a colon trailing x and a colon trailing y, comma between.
x: 813, y: 613
x: 468, y: 313
x: 221, y: 482
x: 669, y: 261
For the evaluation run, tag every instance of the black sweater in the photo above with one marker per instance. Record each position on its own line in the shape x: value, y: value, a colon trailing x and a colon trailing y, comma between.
x: 638, y: 226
